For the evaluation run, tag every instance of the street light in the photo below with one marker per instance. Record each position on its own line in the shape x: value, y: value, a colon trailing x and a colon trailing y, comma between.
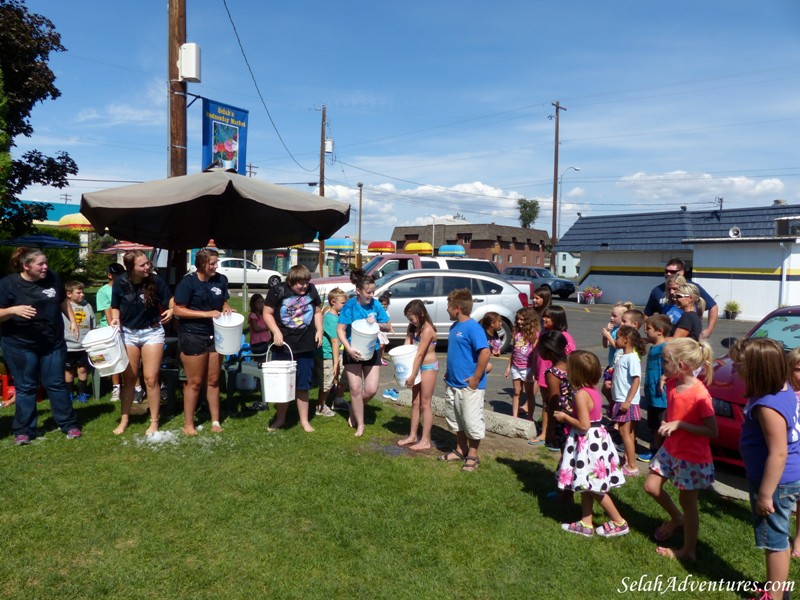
x: 358, y: 246
x: 433, y: 233
x: 560, y: 186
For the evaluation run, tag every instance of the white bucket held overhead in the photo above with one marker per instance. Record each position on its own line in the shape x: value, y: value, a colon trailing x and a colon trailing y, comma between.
x: 363, y: 336
x: 403, y: 362
x: 106, y: 350
x: 228, y: 333
x: 279, y: 381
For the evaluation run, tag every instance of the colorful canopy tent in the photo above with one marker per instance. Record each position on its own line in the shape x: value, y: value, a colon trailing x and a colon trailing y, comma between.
x: 422, y: 248
x: 339, y: 244
x: 122, y: 247
x: 452, y: 250
x: 40, y: 240
x: 75, y: 221
x: 379, y: 247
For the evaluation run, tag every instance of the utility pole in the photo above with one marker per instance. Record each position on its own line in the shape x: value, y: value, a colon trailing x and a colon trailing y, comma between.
x: 176, y: 36
x: 251, y: 169
x: 66, y: 197
x: 321, y: 259
x: 554, y: 235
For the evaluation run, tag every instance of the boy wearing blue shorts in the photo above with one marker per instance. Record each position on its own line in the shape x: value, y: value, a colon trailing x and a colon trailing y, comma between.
x: 467, y: 356
x: 293, y: 315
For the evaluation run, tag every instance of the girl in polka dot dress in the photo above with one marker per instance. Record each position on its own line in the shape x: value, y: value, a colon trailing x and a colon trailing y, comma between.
x: 589, y: 464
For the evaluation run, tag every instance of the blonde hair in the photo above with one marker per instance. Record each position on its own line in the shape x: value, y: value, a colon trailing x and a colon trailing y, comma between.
x: 692, y: 290
x: 333, y: 295
x: 693, y: 354
x: 627, y: 305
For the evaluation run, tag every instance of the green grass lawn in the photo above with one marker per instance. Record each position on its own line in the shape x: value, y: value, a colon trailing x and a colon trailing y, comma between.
x: 252, y: 514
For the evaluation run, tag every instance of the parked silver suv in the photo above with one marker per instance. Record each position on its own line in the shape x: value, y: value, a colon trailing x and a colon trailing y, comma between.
x: 489, y: 293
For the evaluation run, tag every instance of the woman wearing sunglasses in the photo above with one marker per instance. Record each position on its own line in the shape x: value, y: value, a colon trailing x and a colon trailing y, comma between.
x: 688, y: 299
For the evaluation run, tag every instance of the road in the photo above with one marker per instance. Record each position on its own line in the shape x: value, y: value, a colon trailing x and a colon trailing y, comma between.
x: 585, y: 325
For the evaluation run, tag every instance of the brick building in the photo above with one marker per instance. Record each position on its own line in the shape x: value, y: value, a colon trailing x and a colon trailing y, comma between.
x: 504, y: 245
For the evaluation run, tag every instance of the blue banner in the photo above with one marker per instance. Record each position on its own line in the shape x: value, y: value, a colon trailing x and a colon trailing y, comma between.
x: 224, y: 136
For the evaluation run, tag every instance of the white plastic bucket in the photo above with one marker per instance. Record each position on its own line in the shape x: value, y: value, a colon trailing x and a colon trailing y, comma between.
x: 106, y: 351
x: 228, y: 333
x: 403, y: 361
x: 279, y: 381
x: 363, y: 336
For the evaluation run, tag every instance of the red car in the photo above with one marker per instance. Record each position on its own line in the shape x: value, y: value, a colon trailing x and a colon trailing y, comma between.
x: 727, y: 391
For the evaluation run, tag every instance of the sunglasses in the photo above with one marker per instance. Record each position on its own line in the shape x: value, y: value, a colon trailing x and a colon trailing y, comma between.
x: 682, y: 295
x: 671, y: 271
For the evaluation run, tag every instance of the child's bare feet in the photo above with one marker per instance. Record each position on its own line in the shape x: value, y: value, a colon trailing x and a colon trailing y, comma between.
x: 153, y: 427
x: 123, y: 425
x: 359, y: 431
x: 676, y: 554
x: 406, y: 441
x: 276, y: 425
x: 796, y: 548
x: 420, y: 446
x: 216, y: 427
x: 307, y: 427
x: 189, y: 430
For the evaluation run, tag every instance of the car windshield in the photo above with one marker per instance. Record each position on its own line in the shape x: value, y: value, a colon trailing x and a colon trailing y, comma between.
x: 784, y: 329
x: 381, y: 281
x: 371, y: 264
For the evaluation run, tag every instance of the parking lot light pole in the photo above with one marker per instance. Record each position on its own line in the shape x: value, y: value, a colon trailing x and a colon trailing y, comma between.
x: 560, y: 193
x: 358, y: 243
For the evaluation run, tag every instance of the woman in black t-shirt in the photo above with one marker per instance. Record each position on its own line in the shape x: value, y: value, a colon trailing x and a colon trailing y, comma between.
x: 32, y: 300
x: 690, y: 324
x: 200, y: 297
x: 140, y: 303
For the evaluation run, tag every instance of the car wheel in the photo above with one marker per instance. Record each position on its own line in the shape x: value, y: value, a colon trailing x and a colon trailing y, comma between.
x: 505, y: 337
x: 273, y: 281
x: 564, y: 295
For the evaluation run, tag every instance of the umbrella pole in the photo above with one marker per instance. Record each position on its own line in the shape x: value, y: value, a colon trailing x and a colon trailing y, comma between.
x: 244, y: 283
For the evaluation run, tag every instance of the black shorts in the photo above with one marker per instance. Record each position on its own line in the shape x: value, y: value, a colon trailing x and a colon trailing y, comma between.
x: 375, y: 360
x: 76, y: 360
x: 195, y: 344
x: 655, y: 416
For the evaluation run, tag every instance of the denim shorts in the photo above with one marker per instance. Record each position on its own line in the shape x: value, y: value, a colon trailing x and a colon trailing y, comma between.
x: 772, y: 531
x: 143, y: 337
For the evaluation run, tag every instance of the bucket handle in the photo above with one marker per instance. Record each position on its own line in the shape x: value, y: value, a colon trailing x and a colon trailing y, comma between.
x: 269, y: 351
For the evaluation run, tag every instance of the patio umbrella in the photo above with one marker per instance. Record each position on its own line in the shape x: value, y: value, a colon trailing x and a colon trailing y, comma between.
x: 40, y: 240
x: 238, y: 212
x: 122, y: 247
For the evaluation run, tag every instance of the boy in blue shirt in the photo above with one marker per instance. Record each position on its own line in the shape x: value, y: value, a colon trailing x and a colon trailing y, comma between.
x: 467, y: 357
x: 654, y: 399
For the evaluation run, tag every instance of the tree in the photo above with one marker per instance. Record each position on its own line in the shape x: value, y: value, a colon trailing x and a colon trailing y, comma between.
x: 528, y: 211
x: 26, y: 41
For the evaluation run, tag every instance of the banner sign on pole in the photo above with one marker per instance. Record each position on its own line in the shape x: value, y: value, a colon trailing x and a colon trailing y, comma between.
x: 224, y: 136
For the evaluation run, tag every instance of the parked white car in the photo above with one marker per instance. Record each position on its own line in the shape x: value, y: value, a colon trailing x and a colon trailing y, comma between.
x: 233, y: 269
x: 489, y: 293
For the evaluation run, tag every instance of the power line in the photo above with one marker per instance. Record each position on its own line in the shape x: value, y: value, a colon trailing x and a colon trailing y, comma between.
x: 258, y: 90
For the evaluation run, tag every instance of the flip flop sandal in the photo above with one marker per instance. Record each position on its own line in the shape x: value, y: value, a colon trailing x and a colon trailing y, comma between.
x: 470, y: 464
x: 795, y: 553
x: 452, y: 456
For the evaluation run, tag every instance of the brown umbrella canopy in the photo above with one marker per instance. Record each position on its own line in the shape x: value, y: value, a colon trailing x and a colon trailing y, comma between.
x: 238, y: 212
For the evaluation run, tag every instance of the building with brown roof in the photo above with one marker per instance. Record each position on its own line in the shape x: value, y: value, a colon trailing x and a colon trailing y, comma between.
x: 504, y: 245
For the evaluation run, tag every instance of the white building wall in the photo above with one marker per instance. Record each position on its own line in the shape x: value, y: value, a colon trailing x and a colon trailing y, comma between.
x: 756, y: 275
x: 568, y: 265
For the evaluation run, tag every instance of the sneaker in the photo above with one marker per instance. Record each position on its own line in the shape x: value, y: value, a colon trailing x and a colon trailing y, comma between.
x: 74, y: 433
x: 23, y: 439
x: 115, y: 393
x: 138, y: 395
x: 645, y: 457
x: 610, y: 529
x: 620, y: 448
x: 630, y: 472
x: 83, y: 398
x: 384, y: 363
x: 390, y: 394
x: 326, y: 411
x: 579, y: 528
x: 553, y: 447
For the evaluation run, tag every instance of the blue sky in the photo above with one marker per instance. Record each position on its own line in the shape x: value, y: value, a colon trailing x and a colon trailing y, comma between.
x: 442, y: 107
